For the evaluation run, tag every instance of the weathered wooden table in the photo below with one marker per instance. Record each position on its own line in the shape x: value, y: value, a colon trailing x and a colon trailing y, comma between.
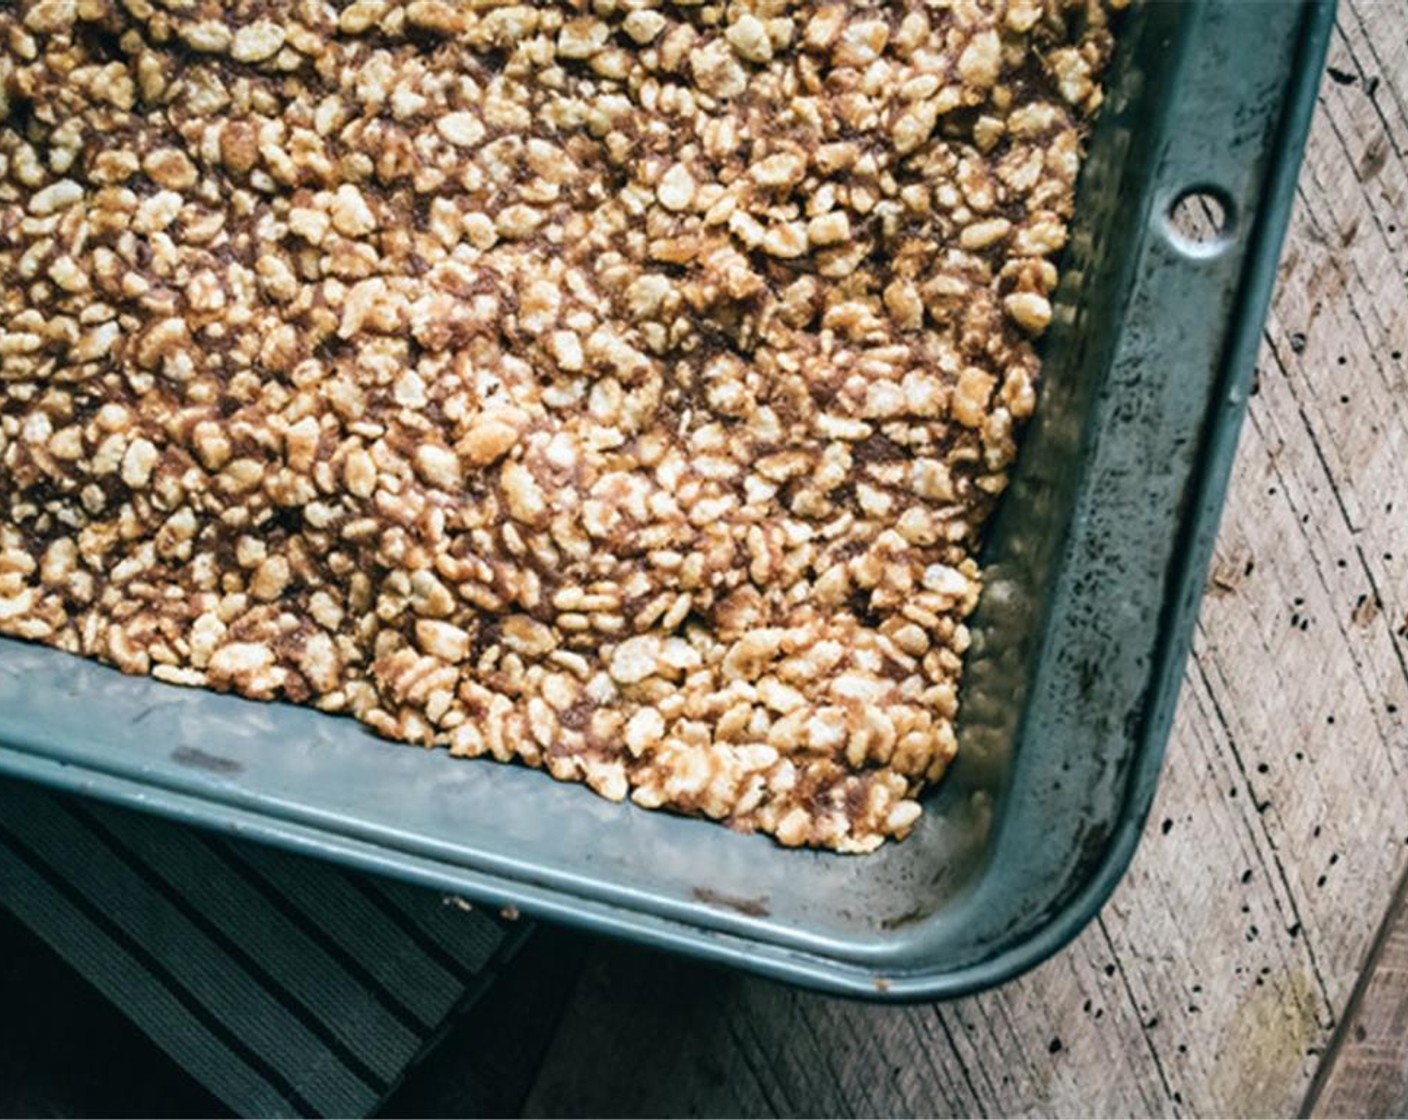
x: 1255, y: 959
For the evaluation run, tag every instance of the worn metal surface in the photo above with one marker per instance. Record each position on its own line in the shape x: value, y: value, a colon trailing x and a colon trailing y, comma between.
x: 1096, y: 563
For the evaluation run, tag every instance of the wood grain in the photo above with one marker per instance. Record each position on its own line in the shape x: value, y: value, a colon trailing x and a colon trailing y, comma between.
x: 1215, y: 978
x: 1366, y: 1071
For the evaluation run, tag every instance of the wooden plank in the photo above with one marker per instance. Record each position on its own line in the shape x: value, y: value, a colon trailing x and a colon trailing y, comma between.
x: 1215, y: 978
x: 653, y: 1035
x: 1366, y: 1071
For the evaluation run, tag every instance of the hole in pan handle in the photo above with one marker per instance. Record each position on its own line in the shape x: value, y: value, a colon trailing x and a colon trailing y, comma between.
x: 1200, y: 220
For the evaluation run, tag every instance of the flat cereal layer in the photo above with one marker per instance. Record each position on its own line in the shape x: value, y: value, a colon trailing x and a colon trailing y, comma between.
x: 617, y: 387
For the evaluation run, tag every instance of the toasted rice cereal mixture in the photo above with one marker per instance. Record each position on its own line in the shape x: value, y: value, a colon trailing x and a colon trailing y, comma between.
x: 619, y: 387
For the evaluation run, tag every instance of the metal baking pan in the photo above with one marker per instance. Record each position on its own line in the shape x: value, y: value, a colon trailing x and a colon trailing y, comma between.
x: 1096, y: 561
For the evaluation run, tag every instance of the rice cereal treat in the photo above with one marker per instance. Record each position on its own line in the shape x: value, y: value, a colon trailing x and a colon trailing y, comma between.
x: 618, y: 387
